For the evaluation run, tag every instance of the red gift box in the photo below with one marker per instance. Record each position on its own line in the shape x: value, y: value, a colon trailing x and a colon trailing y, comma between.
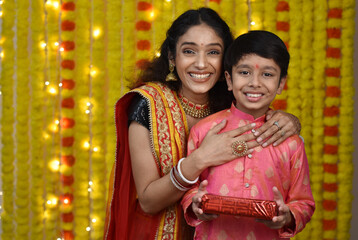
x: 246, y: 207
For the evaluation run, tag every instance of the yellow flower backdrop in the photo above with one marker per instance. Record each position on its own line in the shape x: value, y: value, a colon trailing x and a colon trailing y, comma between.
x: 65, y: 63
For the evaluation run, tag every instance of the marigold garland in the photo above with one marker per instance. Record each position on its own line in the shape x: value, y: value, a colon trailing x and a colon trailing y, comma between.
x: 97, y: 125
x: 345, y: 172
x: 7, y: 120
x: 81, y: 82
x: 22, y: 141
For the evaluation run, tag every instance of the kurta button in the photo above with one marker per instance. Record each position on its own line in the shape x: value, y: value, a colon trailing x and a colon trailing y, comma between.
x: 249, y: 156
x: 247, y: 185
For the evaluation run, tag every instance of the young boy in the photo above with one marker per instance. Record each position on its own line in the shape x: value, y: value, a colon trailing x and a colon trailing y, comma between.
x: 255, y: 70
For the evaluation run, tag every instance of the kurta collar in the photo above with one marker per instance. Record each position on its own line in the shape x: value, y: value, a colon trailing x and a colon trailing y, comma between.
x: 245, y: 116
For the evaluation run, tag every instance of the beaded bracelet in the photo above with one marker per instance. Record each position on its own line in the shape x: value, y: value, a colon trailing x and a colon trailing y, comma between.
x: 182, y: 176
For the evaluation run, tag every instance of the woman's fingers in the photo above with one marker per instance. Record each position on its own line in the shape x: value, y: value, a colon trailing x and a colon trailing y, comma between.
x: 239, y: 131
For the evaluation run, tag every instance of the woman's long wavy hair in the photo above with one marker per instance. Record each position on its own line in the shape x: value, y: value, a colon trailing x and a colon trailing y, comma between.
x: 157, y: 70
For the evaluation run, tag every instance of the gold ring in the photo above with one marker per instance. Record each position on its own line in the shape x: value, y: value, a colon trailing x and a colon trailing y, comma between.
x: 239, y: 148
x: 276, y: 123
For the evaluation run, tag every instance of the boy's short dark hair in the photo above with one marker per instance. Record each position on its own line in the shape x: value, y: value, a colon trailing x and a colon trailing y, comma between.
x: 262, y: 43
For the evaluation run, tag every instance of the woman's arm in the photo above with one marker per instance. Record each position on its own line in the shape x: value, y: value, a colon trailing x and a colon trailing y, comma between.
x: 286, y: 126
x: 154, y: 192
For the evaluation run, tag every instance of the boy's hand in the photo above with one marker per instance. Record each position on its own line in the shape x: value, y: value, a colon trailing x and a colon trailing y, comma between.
x: 284, y: 218
x: 197, y: 202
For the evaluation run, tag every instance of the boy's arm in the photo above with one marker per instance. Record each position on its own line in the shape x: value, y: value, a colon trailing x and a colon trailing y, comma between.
x: 299, y: 198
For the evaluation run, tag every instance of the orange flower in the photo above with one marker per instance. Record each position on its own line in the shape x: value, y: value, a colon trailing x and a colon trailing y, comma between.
x: 282, y: 6
x: 329, y: 205
x: 68, y: 6
x: 330, y: 149
x: 329, y: 224
x: 144, y: 6
x: 68, y: 64
x: 279, y: 104
x: 333, y: 33
x: 143, y: 45
x: 68, y: 103
x: 143, y: 25
x: 68, y: 45
x: 283, y: 26
x: 333, y: 72
x: 68, y: 141
x: 68, y: 160
x: 333, y: 91
x: 330, y: 168
x: 330, y: 187
x: 333, y: 52
x: 67, y: 122
x: 68, y: 26
x: 335, y: 13
x: 68, y: 84
x: 331, y: 131
x: 331, y: 111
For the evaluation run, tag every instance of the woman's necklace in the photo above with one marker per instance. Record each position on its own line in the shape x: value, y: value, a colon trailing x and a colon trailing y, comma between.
x: 194, y: 110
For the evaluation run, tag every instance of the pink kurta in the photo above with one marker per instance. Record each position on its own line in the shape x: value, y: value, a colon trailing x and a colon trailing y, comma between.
x: 284, y: 166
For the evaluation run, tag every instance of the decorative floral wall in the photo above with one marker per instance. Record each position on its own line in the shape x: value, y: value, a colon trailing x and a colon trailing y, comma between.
x: 65, y: 63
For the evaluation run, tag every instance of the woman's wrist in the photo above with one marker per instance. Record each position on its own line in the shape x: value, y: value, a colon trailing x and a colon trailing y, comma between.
x: 195, y: 163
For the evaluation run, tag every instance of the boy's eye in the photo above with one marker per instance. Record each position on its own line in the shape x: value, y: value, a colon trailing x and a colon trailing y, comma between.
x: 267, y: 74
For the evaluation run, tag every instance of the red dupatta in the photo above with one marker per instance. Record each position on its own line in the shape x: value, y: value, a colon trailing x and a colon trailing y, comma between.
x: 168, y: 127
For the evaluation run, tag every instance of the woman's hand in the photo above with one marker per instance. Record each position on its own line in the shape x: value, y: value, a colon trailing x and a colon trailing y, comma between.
x: 284, y: 218
x: 216, y: 148
x: 197, y: 203
x: 279, y: 126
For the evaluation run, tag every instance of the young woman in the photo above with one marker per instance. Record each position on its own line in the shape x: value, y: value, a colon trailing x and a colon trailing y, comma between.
x: 185, y: 84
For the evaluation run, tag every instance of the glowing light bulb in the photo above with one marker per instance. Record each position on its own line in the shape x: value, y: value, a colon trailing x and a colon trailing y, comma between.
x: 152, y: 15
x: 62, y: 49
x: 43, y: 44
x: 252, y: 23
x: 86, y: 145
x: 93, y: 73
x: 1, y: 2
x: 66, y: 201
x: 89, y: 189
x: 88, y: 111
x: 157, y: 54
x: 96, y: 33
x: 60, y: 84
x: 1, y: 13
x: 95, y: 149
x: 88, y: 229
x: 56, y: 44
x: 90, y: 183
x: 47, y: 83
x: 57, y: 121
x: 49, y: 202
x: 52, y: 90
x: 88, y: 104
x: 0, y: 93
x: 54, y: 165
x: 45, y: 136
x: 56, y: 4
x: 2, y: 54
x: 168, y: 0
x: 94, y: 220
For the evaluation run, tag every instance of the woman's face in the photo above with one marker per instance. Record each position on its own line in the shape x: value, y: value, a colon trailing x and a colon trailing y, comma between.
x: 198, y: 61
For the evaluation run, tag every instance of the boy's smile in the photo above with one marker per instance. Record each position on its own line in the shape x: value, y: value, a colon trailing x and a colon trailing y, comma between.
x: 255, y: 81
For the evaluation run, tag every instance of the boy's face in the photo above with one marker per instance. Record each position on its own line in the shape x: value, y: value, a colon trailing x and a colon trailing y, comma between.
x: 255, y: 81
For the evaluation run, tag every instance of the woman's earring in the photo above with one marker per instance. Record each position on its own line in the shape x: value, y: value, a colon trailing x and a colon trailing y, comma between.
x: 171, y: 76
